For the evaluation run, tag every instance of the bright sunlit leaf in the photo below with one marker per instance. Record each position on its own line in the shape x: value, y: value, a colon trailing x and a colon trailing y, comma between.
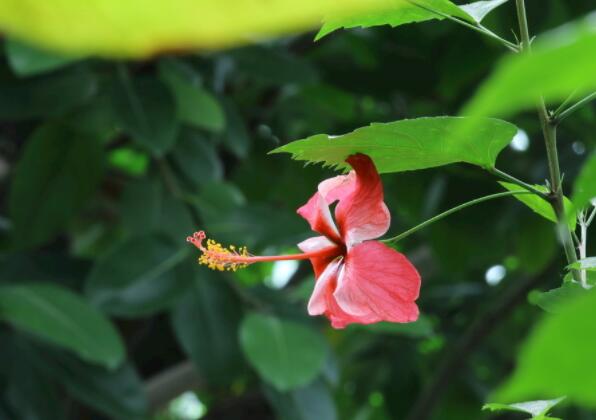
x: 139, y: 28
x: 408, y: 144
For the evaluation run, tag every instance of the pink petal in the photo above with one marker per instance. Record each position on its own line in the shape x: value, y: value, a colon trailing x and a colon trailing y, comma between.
x: 361, y: 213
x: 317, y: 214
x: 323, y: 302
x: 378, y: 283
x: 316, y: 244
x: 323, y: 288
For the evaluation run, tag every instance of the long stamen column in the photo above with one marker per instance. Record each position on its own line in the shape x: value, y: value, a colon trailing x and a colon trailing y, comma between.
x: 217, y: 257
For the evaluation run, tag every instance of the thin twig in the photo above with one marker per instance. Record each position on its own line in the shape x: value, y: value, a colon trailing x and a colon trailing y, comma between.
x: 558, y: 117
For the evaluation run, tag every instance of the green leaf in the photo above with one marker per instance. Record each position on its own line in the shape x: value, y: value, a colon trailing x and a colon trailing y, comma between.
x: 118, y: 393
x: 585, y: 264
x: 285, y: 353
x: 584, y: 187
x: 195, y: 105
x: 33, y: 97
x: 59, y: 171
x: 235, y: 138
x: 139, y: 277
x: 114, y: 28
x: 520, y: 80
x: 61, y: 317
x: 420, y: 328
x: 553, y: 361
x: 395, y: 13
x: 26, y: 60
x: 409, y: 144
x: 129, y: 160
x: 480, y: 9
x: 146, y: 110
x: 146, y: 207
x: 313, y: 401
x: 206, y: 324
x: 537, y: 409
x: 196, y: 157
x: 554, y: 299
x: 540, y: 205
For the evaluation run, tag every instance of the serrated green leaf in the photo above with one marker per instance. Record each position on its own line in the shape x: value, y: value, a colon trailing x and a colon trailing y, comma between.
x: 60, y: 317
x: 584, y: 187
x: 541, y: 206
x: 116, y: 28
x: 408, y: 144
x: 553, y: 360
x: 396, y: 13
x: 286, y: 354
x: 480, y: 9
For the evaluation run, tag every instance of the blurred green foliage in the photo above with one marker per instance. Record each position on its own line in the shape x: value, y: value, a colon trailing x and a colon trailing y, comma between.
x: 106, y: 167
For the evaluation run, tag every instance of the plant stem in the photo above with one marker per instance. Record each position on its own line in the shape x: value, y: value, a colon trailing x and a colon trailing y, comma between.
x: 558, y: 117
x: 549, y: 130
x: 451, y: 211
x: 478, y: 27
x: 514, y: 180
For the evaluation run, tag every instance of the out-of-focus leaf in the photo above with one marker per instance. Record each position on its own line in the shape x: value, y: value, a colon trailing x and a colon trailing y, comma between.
x: 46, y: 95
x: 420, y: 328
x: 27, y: 393
x: 206, y: 324
x: 197, y: 158
x: 312, y: 401
x: 541, y: 206
x: 552, y: 362
x: 395, y: 14
x: 26, y: 60
x: 285, y: 353
x: 219, y: 198
x: 408, y: 144
x: 147, y: 208
x: 585, y: 264
x: 196, y: 106
x: 113, y: 28
x: 117, y: 393
x: 552, y: 300
x: 274, y: 66
x: 535, y: 244
x: 58, y: 172
x: 538, y: 409
x: 479, y: 9
x: 129, y: 160
x: 139, y: 277
x: 235, y: 137
x: 520, y: 80
x: 147, y: 111
x: 61, y: 317
x: 584, y: 187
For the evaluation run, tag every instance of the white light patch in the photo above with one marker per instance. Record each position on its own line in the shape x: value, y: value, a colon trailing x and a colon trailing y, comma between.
x: 520, y: 142
x: 187, y: 407
x: 282, y: 273
x: 578, y: 148
x: 495, y: 274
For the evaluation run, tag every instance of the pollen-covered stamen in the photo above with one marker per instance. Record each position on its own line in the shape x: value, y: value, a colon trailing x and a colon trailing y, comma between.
x: 231, y: 258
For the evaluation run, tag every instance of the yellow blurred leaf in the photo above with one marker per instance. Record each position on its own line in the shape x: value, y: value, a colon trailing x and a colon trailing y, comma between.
x: 140, y: 28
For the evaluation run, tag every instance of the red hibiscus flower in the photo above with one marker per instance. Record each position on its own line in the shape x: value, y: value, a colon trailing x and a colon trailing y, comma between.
x: 358, y: 280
